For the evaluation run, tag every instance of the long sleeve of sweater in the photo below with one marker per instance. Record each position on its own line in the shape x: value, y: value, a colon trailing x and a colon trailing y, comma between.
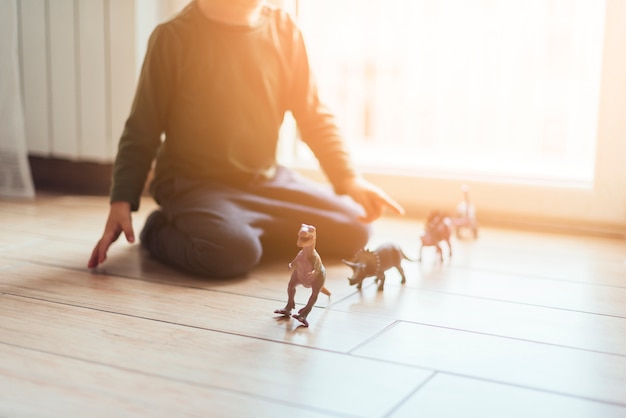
x: 210, y: 101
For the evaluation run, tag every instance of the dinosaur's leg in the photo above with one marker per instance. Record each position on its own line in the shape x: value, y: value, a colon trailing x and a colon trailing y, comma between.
x: 304, y: 312
x: 291, y: 297
x: 381, y: 281
x: 401, y: 271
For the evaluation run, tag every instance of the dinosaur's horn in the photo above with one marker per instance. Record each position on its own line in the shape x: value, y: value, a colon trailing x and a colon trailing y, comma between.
x: 350, y: 263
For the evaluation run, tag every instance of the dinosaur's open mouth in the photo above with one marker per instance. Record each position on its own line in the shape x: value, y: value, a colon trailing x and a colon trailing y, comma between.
x: 306, y: 235
x: 304, y: 240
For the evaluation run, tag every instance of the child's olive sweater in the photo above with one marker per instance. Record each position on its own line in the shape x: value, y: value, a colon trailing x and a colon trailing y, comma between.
x: 210, y: 101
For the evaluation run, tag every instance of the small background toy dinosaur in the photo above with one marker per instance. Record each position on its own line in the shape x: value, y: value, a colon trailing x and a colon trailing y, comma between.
x: 465, y: 215
x: 439, y: 225
x: 438, y: 228
x: 308, y: 271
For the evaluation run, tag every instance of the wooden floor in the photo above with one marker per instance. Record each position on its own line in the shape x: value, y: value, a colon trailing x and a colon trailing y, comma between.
x: 517, y: 324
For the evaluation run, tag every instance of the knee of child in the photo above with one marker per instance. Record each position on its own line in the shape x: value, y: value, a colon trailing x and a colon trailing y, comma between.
x: 230, y: 259
x: 345, y: 239
x: 358, y: 237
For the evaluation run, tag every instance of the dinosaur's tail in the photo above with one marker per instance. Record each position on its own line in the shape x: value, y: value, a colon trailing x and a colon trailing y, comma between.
x: 406, y: 257
x: 325, y: 291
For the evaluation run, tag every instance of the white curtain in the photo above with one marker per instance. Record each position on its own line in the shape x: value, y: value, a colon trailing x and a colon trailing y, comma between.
x: 15, y: 176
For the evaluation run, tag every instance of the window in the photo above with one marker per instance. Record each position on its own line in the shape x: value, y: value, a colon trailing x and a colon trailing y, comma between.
x: 504, y: 95
x: 499, y: 88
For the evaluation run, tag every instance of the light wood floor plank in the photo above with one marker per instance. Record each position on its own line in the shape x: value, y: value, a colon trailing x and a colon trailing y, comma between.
x: 585, y: 374
x: 588, y: 259
x: 237, y: 314
x: 446, y: 396
x: 570, y: 295
x: 13, y: 242
x: 78, y: 218
x: 552, y: 326
x: 37, y: 384
x: 317, y: 379
x: 86, y: 228
x: 269, y: 280
x: 512, y: 287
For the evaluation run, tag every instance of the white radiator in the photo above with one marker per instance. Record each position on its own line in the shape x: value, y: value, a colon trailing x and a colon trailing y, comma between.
x: 15, y: 178
x: 79, y: 63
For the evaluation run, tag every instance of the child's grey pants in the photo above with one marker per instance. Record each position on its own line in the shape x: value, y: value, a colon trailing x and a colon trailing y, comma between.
x: 218, y: 230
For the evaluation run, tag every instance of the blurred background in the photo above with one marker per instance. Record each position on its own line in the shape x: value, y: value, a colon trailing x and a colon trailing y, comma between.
x: 523, y: 101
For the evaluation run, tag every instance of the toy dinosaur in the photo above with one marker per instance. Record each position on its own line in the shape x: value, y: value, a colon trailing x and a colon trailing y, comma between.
x: 465, y: 215
x: 366, y: 263
x: 308, y: 271
x: 438, y: 228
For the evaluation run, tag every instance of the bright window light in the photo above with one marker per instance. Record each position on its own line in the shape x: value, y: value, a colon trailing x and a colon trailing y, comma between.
x: 499, y: 89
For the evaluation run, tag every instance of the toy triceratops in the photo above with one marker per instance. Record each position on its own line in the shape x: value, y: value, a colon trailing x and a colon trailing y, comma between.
x: 366, y: 263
